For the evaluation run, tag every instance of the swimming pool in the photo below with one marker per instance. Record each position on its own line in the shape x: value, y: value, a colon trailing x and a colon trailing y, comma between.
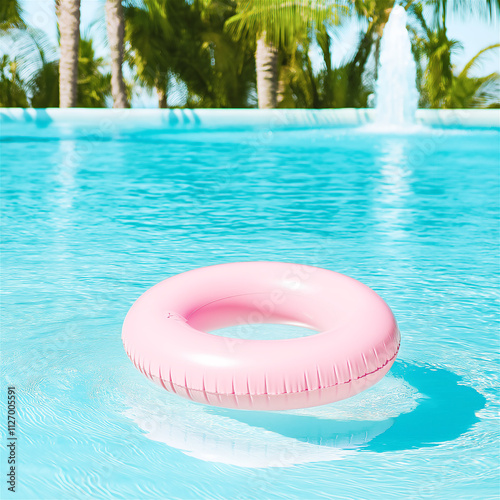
x: 93, y: 215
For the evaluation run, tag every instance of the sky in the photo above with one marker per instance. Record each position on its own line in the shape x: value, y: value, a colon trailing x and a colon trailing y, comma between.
x: 473, y: 32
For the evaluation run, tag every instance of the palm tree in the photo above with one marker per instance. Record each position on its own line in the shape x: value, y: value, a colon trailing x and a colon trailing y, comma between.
x: 36, y: 63
x: 266, y: 61
x: 468, y: 91
x: 116, y: 32
x: 93, y: 84
x: 44, y: 86
x: 276, y: 25
x: 185, y: 42
x: 12, y: 87
x: 224, y: 73
x: 463, y: 7
x: 376, y: 14
x: 11, y: 15
x: 493, y: 5
x: 68, y: 14
x: 436, y: 49
x: 150, y: 37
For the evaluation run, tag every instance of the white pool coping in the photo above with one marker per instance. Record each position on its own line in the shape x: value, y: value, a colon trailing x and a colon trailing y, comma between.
x: 14, y: 120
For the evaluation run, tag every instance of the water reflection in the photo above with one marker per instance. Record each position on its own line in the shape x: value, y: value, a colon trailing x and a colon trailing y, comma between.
x: 393, y: 189
x: 419, y: 406
x: 61, y: 199
x: 64, y: 176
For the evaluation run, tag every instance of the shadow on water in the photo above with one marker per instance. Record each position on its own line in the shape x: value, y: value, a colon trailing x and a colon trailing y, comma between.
x: 447, y: 411
x: 444, y: 411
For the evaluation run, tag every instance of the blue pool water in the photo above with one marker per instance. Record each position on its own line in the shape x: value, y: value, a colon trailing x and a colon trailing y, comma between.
x: 90, y: 222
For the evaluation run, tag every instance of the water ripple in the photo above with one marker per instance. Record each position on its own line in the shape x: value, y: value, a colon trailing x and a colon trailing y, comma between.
x: 89, y: 225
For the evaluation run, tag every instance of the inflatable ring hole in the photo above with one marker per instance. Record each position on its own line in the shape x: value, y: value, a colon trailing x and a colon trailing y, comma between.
x: 261, y: 314
x: 264, y: 331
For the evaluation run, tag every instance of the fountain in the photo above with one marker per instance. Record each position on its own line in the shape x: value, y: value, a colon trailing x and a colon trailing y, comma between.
x: 396, y: 93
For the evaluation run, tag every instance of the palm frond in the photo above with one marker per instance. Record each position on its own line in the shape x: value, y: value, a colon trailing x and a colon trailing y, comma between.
x: 11, y: 15
x: 476, y: 59
x: 33, y: 48
x: 282, y: 21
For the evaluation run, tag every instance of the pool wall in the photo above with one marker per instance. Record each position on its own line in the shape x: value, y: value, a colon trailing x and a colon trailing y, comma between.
x: 14, y: 120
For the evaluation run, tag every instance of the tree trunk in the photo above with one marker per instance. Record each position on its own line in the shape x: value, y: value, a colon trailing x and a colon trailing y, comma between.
x: 357, y: 68
x: 266, y: 64
x: 162, y: 97
x: 283, y: 88
x: 324, y: 41
x: 116, y: 32
x: 281, y: 91
x: 377, y: 57
x: 68, y: 14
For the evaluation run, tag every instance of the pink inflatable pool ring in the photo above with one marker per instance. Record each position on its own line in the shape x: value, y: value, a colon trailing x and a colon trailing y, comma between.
x: 165, y: 336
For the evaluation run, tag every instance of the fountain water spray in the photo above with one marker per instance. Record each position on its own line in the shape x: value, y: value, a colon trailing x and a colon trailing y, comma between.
x: 396, y: 92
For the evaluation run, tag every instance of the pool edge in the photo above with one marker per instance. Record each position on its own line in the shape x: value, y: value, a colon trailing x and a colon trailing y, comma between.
x: 110, y: 120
